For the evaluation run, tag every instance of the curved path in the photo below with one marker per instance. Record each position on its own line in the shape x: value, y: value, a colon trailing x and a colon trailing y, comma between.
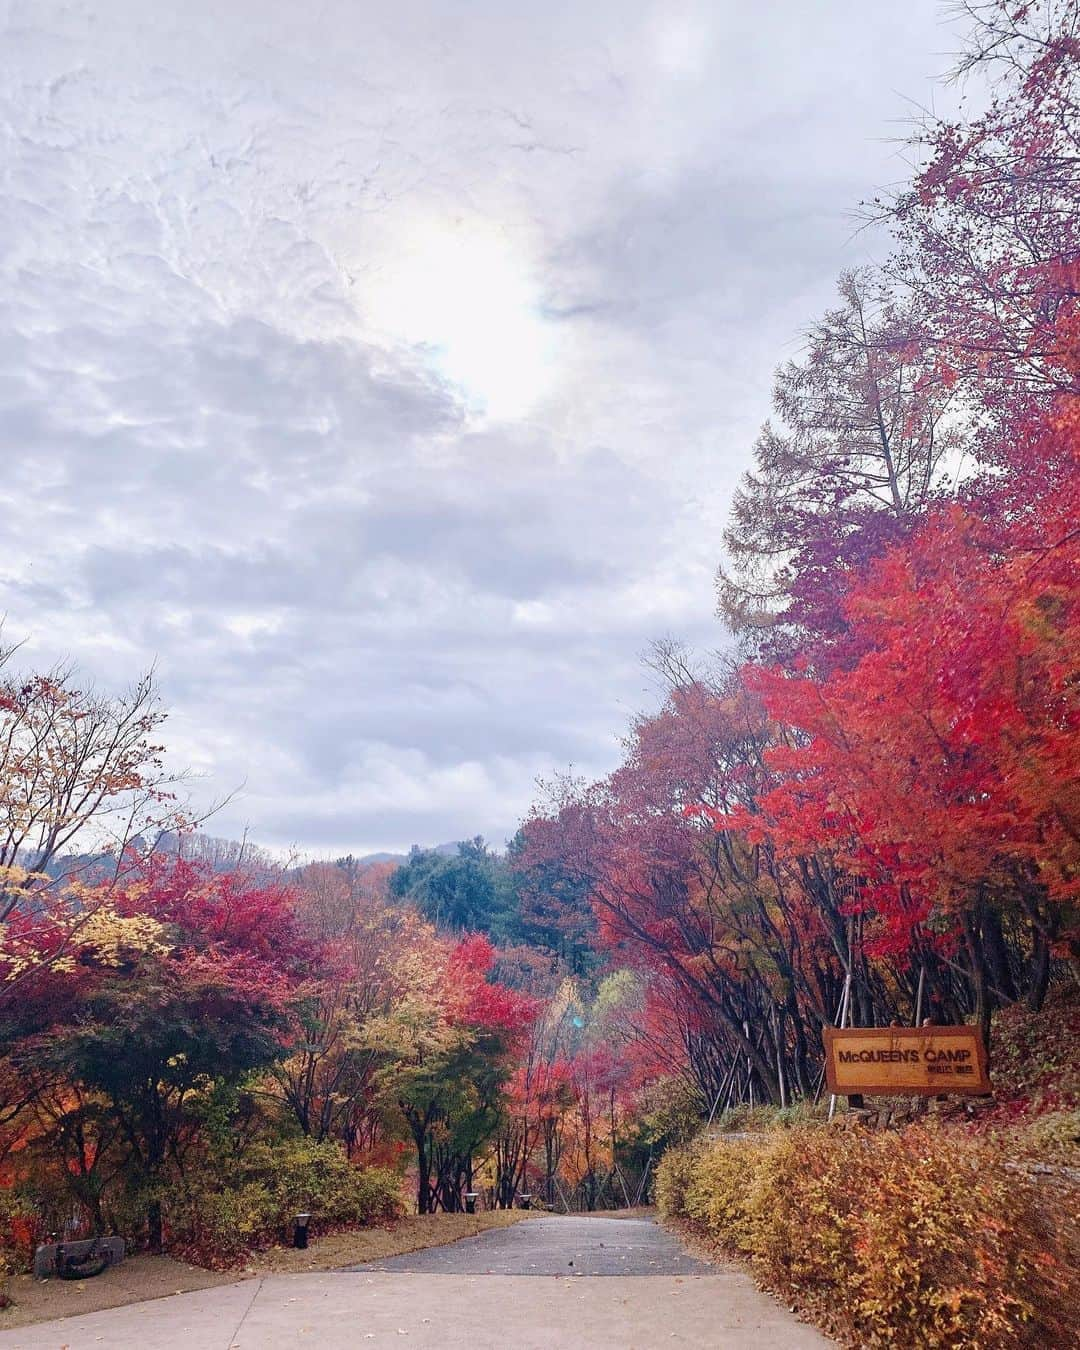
x: 477, y: 1294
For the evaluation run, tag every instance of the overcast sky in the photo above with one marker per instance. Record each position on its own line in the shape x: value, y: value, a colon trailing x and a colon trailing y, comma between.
x: 384, y: 370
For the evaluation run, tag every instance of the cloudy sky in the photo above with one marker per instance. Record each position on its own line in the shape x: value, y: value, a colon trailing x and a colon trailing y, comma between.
x: 383, y: 371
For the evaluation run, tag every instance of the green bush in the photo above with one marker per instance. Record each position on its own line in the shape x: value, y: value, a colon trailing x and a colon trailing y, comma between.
x: 252, y: 1202
x: 744, y: 1119
x: 925, y: 1237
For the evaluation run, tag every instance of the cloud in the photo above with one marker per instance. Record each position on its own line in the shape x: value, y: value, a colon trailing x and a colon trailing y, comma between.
x: 229, y: 338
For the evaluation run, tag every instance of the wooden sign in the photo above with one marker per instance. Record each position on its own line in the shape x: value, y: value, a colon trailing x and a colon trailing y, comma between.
x: 905, y: 1061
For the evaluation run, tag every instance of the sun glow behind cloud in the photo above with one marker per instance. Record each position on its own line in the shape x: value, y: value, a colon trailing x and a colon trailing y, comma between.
x: 229, y: 265
x: 466, y: 294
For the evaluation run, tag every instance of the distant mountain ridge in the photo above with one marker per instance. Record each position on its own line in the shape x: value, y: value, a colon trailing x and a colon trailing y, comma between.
x: 447, y: 850
x: 217, y: 852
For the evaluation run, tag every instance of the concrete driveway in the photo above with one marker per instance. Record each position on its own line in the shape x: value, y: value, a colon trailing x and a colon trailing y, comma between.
x: 465, y: 1308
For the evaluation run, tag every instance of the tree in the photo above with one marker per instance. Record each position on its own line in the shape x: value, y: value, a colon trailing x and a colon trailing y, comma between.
x: 553, y: 907
x: 466, y: 892
x: 330, y: 1080
x: 864, y: 445
x: 449, y: 1041
x: 163, y: 1028
x: 76, y: 767
x: 539, y: 1097
x: 753, y: 943
x: 74, y: 761
x: 940, y: 770
x: 989, y: 233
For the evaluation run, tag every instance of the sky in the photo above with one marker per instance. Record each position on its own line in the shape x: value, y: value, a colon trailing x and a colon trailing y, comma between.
x: 383, y: 372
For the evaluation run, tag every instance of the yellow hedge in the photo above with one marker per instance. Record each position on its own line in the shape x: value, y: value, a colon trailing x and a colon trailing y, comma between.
x: 921, y: 1238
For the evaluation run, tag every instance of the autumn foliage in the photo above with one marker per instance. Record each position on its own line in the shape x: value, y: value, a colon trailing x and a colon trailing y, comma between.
x: 898, y: 1239
x: 866, y: 813
x: 871, y: 813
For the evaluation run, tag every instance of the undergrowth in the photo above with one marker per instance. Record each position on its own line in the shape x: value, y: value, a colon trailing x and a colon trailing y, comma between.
x: 919, y: 1237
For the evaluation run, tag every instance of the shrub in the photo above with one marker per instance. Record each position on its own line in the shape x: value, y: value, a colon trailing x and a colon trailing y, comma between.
x: 672, y: 1114
x: 254, y: 1201
x: 924, y: 1237
x: 1053, y: 1137
x: 19, y: 1231
x: 744, y: 1119
x: 674, y: 1177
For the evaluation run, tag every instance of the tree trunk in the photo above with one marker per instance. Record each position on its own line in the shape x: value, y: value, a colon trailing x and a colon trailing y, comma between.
x: 1040, y: 972
x: 997, y: 958
x: 978, y: 978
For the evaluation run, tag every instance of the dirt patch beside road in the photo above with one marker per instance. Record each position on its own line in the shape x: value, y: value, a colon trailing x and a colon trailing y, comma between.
x: 376, y: 1244
x: 138, y: 1278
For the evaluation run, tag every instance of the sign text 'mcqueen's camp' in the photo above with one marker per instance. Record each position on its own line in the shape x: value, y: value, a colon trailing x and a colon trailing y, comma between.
x: 906, y: 1060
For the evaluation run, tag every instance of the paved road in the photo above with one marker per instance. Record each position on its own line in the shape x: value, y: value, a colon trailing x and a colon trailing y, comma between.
x: 556, y: 1246
x: 350, y: 1310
